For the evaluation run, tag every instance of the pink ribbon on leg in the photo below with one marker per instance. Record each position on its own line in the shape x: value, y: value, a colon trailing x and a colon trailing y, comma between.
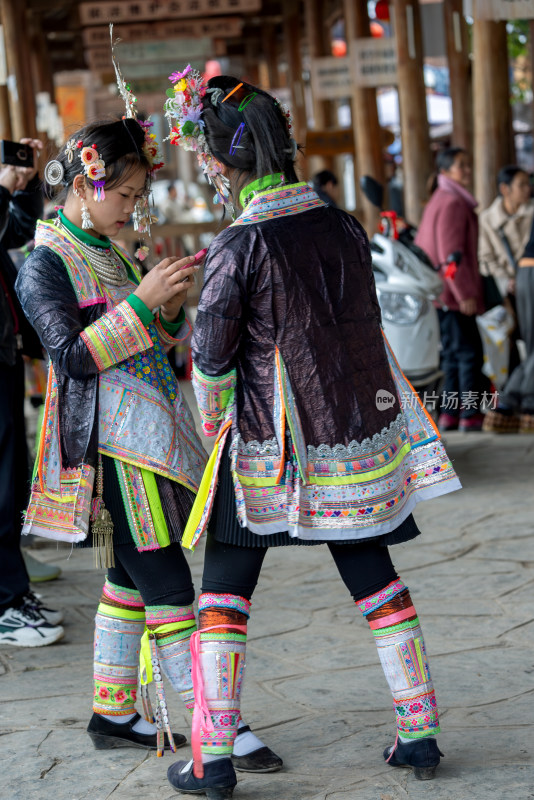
x: 201, y: 714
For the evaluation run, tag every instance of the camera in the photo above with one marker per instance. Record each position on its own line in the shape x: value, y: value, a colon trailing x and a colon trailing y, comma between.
x: 16, y: 154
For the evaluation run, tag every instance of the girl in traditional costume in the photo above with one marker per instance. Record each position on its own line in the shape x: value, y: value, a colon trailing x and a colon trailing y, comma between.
x: 319, y: 437
x: 119, y: 456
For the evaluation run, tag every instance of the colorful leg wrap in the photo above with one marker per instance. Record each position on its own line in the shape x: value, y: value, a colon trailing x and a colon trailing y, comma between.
x: 173, y: 626
x: 401, y: 647
x: 119, y: 624
x: 222, y: 666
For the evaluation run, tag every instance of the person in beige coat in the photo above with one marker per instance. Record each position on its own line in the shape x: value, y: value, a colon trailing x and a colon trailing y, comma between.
x: 509, y: 217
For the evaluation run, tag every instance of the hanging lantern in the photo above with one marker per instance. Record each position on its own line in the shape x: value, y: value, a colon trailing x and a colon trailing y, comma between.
x: 382, y: 10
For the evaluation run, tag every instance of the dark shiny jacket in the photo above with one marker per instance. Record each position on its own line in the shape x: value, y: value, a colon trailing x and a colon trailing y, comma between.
x: 302, y: 283
x: 18, y: 216
x: 50, y: 303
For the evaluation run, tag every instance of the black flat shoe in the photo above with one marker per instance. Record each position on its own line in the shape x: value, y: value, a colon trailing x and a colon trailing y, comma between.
x: 107, y: 735
x: 217, y: 784
x: 422, y: 755
x: 261, y: 760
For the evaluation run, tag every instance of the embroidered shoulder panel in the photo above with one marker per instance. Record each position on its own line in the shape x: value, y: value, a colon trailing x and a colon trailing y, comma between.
x: 281, y: 202
x: 84, y: 281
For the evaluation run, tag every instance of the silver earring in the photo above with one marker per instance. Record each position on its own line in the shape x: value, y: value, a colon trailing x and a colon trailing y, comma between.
x: 87, y: 222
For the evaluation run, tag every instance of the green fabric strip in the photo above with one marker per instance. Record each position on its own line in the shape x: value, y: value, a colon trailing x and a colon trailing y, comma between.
x: 158, y: 517
x: 120, y: 613
x: 143, y: 312
x: 173, y: 327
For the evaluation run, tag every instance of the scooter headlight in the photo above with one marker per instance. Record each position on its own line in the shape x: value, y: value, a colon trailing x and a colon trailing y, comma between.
x: 400, y: 308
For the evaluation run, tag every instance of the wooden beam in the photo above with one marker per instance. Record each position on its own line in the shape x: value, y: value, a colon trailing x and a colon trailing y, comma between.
x: 416, y: 157
x: 318, y: 36
x: 456, y: 37
x: 493, y: 137
x: 367, y: 134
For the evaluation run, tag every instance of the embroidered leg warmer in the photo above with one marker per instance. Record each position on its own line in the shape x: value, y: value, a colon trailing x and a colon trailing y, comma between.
x: 119, y: 624
x: 173, y: 626
x: 222, y: 623
x: 401, y: 647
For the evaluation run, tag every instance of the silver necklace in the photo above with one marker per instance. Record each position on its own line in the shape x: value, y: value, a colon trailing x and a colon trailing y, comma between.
x: 108, y: 266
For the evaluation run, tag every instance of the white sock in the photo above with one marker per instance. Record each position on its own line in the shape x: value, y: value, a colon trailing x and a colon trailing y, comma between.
x: 141, y: 726
x: 247, y: 742
x: 206, y: 758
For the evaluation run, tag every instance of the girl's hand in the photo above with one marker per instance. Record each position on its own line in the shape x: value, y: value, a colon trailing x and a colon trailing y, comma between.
x: 166, y: 280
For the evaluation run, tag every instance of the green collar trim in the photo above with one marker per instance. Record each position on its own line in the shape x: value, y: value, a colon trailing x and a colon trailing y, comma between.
x: 259, y: 185
x: 85, y: 237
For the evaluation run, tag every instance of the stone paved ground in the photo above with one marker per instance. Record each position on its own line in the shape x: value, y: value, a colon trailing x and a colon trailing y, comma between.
x: 315, y: 690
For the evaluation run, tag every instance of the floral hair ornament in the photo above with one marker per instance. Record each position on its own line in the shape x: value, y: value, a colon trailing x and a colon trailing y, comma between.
x: 95, y: 169
x: 183, y: 110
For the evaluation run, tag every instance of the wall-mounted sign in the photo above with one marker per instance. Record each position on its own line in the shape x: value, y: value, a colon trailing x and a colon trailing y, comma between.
x: 102, y: 13
x: 218, y: 27
x: 331, y: 78
x: 375, y: 62
x: 499, y: 9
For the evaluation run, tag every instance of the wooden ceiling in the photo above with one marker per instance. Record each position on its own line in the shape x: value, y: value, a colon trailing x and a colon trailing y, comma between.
x: 58, y: 24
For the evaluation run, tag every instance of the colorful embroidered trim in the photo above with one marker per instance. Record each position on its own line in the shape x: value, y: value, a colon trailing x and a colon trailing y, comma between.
x: 374, y: 601
x: 136, y: 506
x: 117, y: 335
x: 169, y: 615
x: 118, y: 594
x: 169, y: 341
x: 214, y: 396
x: 279, y: 202
x: 232, y: 601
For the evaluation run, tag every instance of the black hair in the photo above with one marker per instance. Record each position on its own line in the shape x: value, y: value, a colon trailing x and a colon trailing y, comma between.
x: 323, y: 177
x: 119, y: 145
x: 507, y: 174
x: 444, y: 161
x: 446, y: 157
x: 263, y: 146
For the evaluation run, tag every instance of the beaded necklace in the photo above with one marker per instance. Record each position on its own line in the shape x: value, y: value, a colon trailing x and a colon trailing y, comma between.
x: 108, y: 266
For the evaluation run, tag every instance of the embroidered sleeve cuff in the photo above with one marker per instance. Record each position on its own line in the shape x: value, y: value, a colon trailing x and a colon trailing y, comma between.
x: 214, y: 397
x: 143, y: 312
x: 116, y: 336
x: 172, y: 333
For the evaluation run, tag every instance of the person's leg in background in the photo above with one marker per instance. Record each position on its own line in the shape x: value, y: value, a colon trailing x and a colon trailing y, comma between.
x: 472, y: 382
x: 230, y: 577
x: 21, y: 621
x: 384, y: 600
x: 450, y: 409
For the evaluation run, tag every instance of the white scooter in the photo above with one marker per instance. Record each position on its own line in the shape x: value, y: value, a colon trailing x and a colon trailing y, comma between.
x: 406, y: 285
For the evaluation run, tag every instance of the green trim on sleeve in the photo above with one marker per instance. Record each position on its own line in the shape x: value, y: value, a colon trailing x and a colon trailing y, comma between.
x: 173, y: 327
x: 143, y: 312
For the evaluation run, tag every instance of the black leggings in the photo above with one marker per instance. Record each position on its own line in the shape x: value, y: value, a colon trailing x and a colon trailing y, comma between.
x: 161, y: 576
x: 365, y: 568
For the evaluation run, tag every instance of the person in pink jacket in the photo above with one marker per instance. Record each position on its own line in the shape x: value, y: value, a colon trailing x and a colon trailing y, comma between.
x: 449, y: 225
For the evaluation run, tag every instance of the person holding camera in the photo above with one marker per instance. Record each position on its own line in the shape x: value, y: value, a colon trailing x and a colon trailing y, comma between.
x: 24, y: 620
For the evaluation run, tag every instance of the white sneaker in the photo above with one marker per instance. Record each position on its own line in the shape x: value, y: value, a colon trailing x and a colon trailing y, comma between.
x: 35, y: 601
x: 25, y: 627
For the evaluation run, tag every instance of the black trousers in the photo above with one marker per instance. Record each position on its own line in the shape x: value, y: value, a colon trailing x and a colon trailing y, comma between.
x: 14, y: 484
x: 365, y: 568
x: 461, y: 361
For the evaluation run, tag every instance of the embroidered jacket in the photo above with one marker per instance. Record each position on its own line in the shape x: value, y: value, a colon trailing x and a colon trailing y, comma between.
x: 289, y: 355
x: 114, y: 390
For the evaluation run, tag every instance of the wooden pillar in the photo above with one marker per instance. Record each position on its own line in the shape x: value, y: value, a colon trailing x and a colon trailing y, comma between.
x: 416, y: 156
x: 271, y: 55
x: 367, y: 132
x: 493, y: 143
x: 5, y: 114
x: 319, y: 45
x: 291, y: 33
x: 21, y: 97
x: 456, y: 38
